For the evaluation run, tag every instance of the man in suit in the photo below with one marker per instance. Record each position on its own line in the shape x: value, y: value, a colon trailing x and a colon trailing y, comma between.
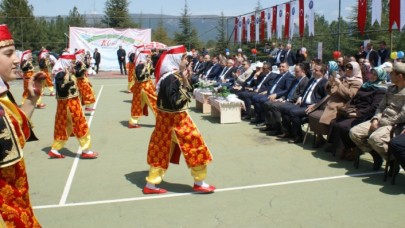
x: 226, y: 76
x: 371, y: 55
x: 263, y: 80
x: 278, y: 88
x: 383, y: 53
x: 272, y: 114
x: 121, y: 54
x: 198, y: 65
x: 279, y: 58
x: 289, y: 56
x: 214, y: 71
x: 97, y: 58
x: 313, y: 93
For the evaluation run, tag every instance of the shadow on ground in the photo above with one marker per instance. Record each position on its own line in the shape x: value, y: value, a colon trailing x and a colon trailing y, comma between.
x: 138, y: 179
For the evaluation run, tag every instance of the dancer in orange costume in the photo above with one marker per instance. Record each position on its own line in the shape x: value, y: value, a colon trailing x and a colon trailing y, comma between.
x: 44, y: 62
x: 69, y: 117
x: 143, y: 91
x: 83, y: 83
x: 28, y: 71
x: 15, y: 128
x: 175, y: 132
x: 131, y: 70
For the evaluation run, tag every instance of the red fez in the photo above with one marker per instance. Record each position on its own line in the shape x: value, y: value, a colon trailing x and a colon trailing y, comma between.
x: 5, y: 36
x: 81, y: 51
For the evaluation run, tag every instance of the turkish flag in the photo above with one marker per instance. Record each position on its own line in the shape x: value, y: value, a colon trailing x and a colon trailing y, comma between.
x: 301, y: 18
x: 287, y: 21
x: 274, y: 22
x: 252, y: 27
x: 362, y: 15
x: 244, y: 29
x: 235, y: 30
x: 262, y: 24
x: 395, y: 8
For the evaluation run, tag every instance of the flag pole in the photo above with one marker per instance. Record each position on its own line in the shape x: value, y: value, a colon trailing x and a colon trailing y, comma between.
x: 339, y: 19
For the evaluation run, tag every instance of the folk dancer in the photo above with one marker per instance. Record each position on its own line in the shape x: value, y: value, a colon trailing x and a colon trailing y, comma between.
x: 143, y: 91
x: 69, y: 117
x: 16, y: 130
x: 28, y: 71
x: 85, y: 88
x: 175, y: 131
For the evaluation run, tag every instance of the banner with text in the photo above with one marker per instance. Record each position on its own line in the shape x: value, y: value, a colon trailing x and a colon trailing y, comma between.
x: 107, y: 41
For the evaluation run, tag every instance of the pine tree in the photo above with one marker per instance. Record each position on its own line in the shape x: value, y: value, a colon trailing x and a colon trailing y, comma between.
x: 222, y: 43
x: 116, y: 14
x: 188, y: 35
x: 160, y: 35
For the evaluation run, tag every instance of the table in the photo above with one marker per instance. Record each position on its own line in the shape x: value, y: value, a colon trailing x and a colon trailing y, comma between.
x: 201, y: 100
x: 229, y: 110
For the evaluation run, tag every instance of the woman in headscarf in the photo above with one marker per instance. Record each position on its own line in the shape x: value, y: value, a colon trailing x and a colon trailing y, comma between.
x: 359, y: 109
x: 340, y: 91
x: 15, y: 128
x: 69, y: 117
x: 143, y: 91
x: 175, y: 132
x: 44, y: 63
x: 85, y: 88
x: 28, y: 71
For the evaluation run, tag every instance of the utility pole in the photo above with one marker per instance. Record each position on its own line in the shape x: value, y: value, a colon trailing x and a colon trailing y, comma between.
x: 339, y: 19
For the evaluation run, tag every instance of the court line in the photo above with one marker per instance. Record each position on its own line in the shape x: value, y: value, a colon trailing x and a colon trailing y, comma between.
x: 76, y: 160
x: 151, y: 197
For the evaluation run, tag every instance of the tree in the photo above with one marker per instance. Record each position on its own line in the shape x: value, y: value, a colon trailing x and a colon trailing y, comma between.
x: 17, y: 14
x: 116, y: 14
x: 222, y: 43
x: 75, y: 19
x: 188, y: 35
x: 159, y: 34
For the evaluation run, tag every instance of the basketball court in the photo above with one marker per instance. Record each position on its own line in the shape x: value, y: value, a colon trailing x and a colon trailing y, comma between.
x: 261, y: 181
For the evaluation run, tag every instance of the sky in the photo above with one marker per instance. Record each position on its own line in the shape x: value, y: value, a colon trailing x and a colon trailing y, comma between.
x: 329, y: 8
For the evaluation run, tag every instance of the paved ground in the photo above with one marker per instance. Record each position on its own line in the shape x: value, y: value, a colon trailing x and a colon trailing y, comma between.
x: 262, y: 182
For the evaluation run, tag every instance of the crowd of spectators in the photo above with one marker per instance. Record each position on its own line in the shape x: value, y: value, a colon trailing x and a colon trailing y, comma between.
x: 352, y: 103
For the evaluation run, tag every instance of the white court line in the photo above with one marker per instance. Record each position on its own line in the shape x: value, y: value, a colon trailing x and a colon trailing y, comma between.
x: 76, y: 161
x: 151, y: 197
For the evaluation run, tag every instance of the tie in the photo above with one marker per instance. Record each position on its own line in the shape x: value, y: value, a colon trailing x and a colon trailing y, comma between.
x: 308, y: 91
x: 291, y: 93
x: 275, y: 85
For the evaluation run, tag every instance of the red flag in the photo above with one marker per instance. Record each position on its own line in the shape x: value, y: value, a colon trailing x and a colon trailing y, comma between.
x: 244, y: 29
x: 361, y: 15
x: 301, y: 18
x: 262, y: 24
x: 287, y: 21
x: 274, y: 22
x: 252, y: 28
x: 235, y: 30
x: 395, y: 7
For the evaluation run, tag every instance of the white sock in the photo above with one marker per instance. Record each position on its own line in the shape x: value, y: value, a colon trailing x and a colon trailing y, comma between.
x: 201, y: 183
x: 55, y: 152
x: 150, y: 186
x: 87, y: 152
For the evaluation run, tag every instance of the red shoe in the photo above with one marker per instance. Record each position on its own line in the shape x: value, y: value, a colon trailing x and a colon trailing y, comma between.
x: 134, y: 126
x: 89, y: 155
x: 89, y: 109
x: 53, y: 155
x: 201, y: 189
x: 42, y: 105
x: 147, y: 190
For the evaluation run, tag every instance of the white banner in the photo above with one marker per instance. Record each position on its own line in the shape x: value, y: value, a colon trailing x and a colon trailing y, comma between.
x: 320, y: 48
x: 268, y: 22
x: 376, y: 9
x: 240, y: 29
x: 311, y: 18
x: 107, y: 41
x: 257, y: 27
x: 248, y: 21
x: 402, y: 12
x: 293, y: 16
x: 280, y: 21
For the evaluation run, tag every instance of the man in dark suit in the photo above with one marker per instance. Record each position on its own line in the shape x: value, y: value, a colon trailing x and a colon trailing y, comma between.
x: 292, y: 115
x: 272, y: 114
x: 279, y: 58
x: 226, y: 76
x: 97, y: 58
x: 121, y: 55
x: 371, y: 55
x: 264, y: 78
x: 214, y: 71
x: 198, y: 65
x: 289, y: 56
x: 278, y: 88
